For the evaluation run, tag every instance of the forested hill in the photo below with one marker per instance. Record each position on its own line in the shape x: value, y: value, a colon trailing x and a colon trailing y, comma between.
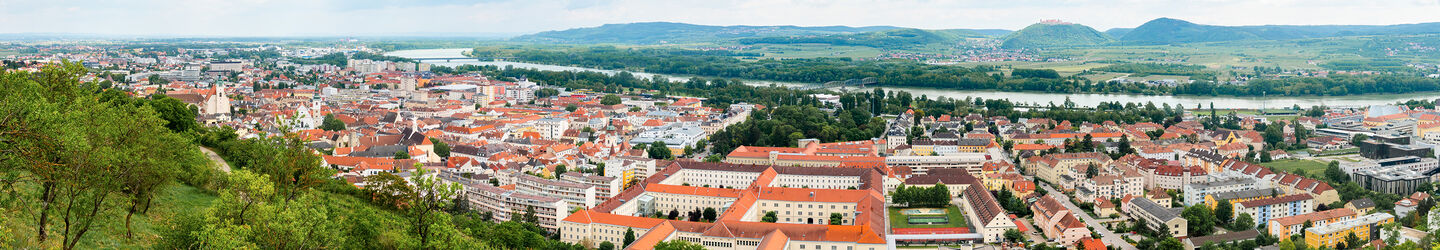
x: 1045, y: 35
x: 667, y: 32
x: 1172, y: 31
x: 895, y: 38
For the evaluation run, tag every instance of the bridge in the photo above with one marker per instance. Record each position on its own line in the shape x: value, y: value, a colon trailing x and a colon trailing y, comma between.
x: 860, y: 83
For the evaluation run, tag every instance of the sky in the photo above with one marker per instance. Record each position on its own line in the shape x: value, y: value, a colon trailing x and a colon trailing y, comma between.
x: 240, y: 18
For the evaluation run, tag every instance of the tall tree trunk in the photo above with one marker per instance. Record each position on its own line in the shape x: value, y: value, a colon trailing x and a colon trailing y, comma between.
x: 47, y: 198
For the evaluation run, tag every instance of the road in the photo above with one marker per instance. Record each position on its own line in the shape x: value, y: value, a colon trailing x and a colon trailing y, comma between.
x: 216, y: 158
x: 1110, y: 238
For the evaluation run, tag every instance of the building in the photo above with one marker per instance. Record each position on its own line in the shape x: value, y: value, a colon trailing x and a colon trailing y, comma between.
x: 1366, y: 227
x: 507, y: 205
x: 1057, y: 222
x: 1362, y: 205
x: 1197, y: 242
x: 985, y: 213
x: 1276, y: 207
x: 577, y: 194
x: 1292, y: 225
x: 1157, y: 217
x: 1400, y: 175
x: 1213, y: 200
x: 1195, y: 193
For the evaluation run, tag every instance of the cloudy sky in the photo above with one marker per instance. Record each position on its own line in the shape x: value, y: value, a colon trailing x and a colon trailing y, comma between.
x: 509, y: 17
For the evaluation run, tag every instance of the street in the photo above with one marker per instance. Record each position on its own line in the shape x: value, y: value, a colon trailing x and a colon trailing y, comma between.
x: 1110, y: 238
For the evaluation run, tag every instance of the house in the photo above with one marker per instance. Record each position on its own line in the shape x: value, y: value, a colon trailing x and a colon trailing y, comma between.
x: 1293, y: 225
x: 1265, y: 209
x: 1057, y: 222
x: 1361, y: 206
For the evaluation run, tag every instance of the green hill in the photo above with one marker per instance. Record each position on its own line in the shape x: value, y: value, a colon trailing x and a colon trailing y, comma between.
x: 896, y: 38
x: 1172, y: 31
x: 1046, y: 35
x: 667, y: 32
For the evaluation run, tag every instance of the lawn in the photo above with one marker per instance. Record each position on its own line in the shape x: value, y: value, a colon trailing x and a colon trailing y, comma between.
x: 898, y: 220
x: 1309, y: 166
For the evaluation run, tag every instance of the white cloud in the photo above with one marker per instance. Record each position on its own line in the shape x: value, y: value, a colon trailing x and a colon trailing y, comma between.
x: 372, y: 17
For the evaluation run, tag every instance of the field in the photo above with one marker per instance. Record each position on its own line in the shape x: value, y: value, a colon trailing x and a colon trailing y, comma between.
x: 953, y: 214
x: 1310, y: 167
x: 172, y: 201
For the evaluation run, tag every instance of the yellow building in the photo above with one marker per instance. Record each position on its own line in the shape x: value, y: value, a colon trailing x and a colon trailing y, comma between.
x: 1330, y: 235
x: 1212, y: 200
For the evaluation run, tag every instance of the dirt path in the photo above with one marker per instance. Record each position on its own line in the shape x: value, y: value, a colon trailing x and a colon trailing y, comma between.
x: 216, y: 158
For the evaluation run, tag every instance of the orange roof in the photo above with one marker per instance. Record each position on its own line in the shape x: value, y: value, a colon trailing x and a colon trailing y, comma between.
x: 692, y: 190
x: 816, y: 195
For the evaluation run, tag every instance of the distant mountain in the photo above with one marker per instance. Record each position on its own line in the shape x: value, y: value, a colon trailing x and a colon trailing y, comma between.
x: 1118, y: 32
x: 896, y: 38
x: 1172, y: 31
x: 667, y: 32
x: 1053, y: 34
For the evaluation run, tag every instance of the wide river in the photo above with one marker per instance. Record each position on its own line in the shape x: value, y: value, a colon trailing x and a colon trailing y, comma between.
x: 1223, y: 102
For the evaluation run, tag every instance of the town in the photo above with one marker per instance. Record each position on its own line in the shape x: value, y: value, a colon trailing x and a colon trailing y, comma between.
x: 634, y: 168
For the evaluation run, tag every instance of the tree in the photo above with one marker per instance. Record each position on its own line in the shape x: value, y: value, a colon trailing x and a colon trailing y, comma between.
x: 659, y: 151
x: 1012, y: 235
x: 571, y: 107
x: 389, y: 190
x: 606, y: 246
x: 1334, y: 173
x: 1242, y: 222
x: 431, y: 195
x: 559, y: 170
x: 674, y: 214
x: 629, y: 237
x: 1224, y: 211
x: 770, y: 216
x: 1170, y: 243
x: 330, y: 123
x: 442, y: 149
x: 610, y: 100
x: 1200, y: 220
x: 709, y: 214
x: 678, y: 244
x: 401, y: 155
x: 1352, y: 241
x: 836, y: 218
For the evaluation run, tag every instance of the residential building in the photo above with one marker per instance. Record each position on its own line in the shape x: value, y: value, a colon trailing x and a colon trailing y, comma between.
x: 1292, y: 225
x: 1157, y: 217
x: 1283, y: 206
x: 1365, y: 227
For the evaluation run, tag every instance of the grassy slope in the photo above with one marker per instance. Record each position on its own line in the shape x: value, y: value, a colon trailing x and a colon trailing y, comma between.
x: 172, y: 200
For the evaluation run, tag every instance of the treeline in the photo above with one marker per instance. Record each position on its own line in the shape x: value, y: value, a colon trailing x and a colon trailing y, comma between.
x: 934, y: 196
x: 1334, y: 85
x: 1196, y: 72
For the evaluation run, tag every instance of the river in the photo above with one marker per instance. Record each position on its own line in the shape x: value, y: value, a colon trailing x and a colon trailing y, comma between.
x: 1221, y: 102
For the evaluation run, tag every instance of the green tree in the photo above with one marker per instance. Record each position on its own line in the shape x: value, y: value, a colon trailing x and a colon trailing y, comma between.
x: 330, y: 123
x: 658, y: 150
x: 836, y: 218
x: 1242, y: 222
x: 610, y: 100
x: 431, y: 196
x: 1170, y: 243
x: 606, y: 246
x: 442, y: 149
x: 1224, y: 211
x: 1012, y: 235
x: 389, y: 190
x: 179, y: 116
x: 560, y: 169
x: 1200, y: 219
x: 770, y: 217
x: 401, y: 155
x: 629, y: 236
x: 678, y: 244
x: 1334, y: 173
x: 709, y: 214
